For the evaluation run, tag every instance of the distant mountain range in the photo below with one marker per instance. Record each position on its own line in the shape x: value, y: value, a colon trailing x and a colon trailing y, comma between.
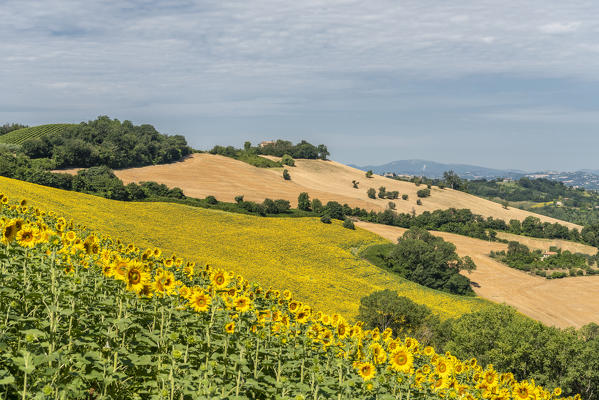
x: 588, y: 178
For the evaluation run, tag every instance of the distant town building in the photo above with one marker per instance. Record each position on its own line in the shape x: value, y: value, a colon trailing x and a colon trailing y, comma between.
x: 548, y: 254
x: 266, y: 143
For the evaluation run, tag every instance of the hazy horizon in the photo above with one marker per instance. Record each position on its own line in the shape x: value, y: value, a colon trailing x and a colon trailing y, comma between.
x: 483, y: 83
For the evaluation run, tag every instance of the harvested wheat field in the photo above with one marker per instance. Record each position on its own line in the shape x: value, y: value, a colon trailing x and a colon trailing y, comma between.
x: 558, y: 302
x: 545, y: 244
x: 201, y: 175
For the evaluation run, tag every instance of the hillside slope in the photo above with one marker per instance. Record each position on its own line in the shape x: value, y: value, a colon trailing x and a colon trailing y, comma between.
x: 317, y: 261
x: 558, y: 302
x: 22, y: 135
x: 201, y: 175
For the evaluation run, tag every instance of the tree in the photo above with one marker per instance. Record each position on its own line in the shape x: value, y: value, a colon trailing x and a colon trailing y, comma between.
x: 391, y: 205
x: 286, y: 175
x: 355, y: 184
x: 386, y: 309
x: 211, y: 200
x: 423, y: 193
x: 382, y: 192
x: 371, y: 193
x: 303, y: 201
x: 317, y: 206
x: 247, y: 146
x: 239, y: 199
x: 323, y: 152
x: 404, y: 196
x: 325, y: 219
x: 505, y: 204
x: 288, y: 160
x: 369, y: 173
x: 452, y: 179
x: 334, y: 210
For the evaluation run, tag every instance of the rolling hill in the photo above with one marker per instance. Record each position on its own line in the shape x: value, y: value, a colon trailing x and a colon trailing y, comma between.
x: 318, y: 262
x: 559, y: 302
x: 201, y: 175
x: 22, y: 135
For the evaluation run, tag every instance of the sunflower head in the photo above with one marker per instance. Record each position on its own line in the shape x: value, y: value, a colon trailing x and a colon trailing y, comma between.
x: 230, y: 327
x: 242, y: 303
x: 219, y: 279
x: 200, y: 301
x: 366, y: 371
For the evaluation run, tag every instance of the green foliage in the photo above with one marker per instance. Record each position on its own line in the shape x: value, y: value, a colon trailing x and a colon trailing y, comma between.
x: 349, y: 224
x: 301, y: 150
x: 371, y: 193
x: 211, y: 200
x: 355, y: 184
x: 451, y: 179
x: 334, y: 210
x: 513, y: 342
x: 386, y: 309
x: 422, y: 193
x: 391, y: 205
x: 6, y: 128
x: 419, y: 202
x: 325, y: 219
x: 520, y: 257
x: 288, y: 160
x: 382, y: 192
x: 286, y: 175
x: 317, y: 206
x: 369, y: 173
x: 424, y: 259
x: 404, y: 196
x: 102, y: 142
x: 303, y: 202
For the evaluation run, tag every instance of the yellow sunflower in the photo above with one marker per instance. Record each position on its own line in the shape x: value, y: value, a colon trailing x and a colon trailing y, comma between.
x: 242, y: 303
x: 200, y: 301
x: 366, y: 371
x: 522, y: 390
x: 230, y: 327
x: 219, y: 279
x: 9, y: 232
x: 402, y: 360
x: 136, y: 277
x: 26, y: 236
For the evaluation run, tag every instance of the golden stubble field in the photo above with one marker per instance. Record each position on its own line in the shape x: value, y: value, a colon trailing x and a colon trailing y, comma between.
x: 201, y: 175
x: 559, y: 302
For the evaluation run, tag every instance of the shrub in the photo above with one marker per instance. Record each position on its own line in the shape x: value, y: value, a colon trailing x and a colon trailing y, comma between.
x: 404, y: 196
x: 239, y: 199
x: 423, y: 193
x: 325, y: 219
x: 286, y: 175
x: 355, y: 183
x: 288, y: 160
x: 391, y: 205
x: 334, y: 210
x: 211, y: 200
x: 369, y: 174
x: 371, y: 193
x: 419, y: 202
x: 382, y: 192
x: 349, y: 224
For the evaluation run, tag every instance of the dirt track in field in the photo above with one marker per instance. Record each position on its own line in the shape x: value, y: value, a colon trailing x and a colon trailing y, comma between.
x: 558, y: 302
x: 201, y: 175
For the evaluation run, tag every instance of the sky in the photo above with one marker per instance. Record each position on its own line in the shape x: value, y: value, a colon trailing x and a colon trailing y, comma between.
x: 502, y: 84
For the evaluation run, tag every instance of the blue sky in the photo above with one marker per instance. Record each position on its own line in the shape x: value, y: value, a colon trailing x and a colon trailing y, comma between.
x: 502, y: 84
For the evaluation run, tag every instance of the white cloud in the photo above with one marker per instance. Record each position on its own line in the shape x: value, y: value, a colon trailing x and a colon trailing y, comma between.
x: 560, y: 27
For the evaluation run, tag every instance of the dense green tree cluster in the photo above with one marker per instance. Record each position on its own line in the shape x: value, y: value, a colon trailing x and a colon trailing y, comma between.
x: 425, y: 259
x: 521, y: 257
x: 302, y: 149
x: 498, y: 335
x: 108, y: 142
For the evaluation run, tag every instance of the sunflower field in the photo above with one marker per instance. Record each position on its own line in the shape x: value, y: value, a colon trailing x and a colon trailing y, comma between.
x: 319, y: 262
x: 85, y: 316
